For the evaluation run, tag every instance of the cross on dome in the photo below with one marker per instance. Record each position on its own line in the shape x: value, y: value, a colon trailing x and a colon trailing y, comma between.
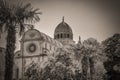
x: 63, y: 19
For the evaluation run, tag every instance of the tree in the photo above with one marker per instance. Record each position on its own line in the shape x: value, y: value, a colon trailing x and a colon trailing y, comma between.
x: 85, y: 66
x: 58, y: 68
x: 12, y: 15
x: 61, y: 67
x: 112, y: 51
x: 91, y: 47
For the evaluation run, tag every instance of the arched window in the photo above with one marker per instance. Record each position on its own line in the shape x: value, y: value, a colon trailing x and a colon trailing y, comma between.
x: 68, y: 36
x: 58, y: 36
x: 61, y: 35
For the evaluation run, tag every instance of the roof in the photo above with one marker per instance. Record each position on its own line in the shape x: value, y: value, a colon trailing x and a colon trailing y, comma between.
x: 33, y: 34
x: 63, y: 27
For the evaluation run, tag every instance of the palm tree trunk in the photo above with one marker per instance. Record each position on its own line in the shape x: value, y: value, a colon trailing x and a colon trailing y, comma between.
x: 9, y: 54
x: 92, y: 69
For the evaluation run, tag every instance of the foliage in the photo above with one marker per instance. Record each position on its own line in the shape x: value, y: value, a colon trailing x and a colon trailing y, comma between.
x: 112, y: 50
x: 17, y: 14
x: 59, y: 68
x: 90, y: 51
x: 64, y: 65
x: 112, y: 46
x: 12, y: 15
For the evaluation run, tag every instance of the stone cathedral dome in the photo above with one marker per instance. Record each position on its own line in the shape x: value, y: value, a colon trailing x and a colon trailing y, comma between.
x: 63, y: 31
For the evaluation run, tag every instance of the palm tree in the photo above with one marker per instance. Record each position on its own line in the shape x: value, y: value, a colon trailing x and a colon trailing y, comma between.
x: 92, y: 46
x: 10, y: 16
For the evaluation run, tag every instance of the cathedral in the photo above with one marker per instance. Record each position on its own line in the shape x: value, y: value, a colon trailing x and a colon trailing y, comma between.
x: 38, y: 47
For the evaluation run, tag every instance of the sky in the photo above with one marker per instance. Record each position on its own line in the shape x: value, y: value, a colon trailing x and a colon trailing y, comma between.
x: 87, y: 18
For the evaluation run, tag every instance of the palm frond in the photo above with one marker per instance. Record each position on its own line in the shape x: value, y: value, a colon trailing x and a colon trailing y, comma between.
x: 18, y: 14
x: 22, y: 29
x: 25, y: 7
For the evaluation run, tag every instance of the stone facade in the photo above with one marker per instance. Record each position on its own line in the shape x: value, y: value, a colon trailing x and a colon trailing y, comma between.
x: 35, y: 47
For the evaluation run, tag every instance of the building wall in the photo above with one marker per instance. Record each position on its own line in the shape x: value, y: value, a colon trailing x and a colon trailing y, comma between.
x: 67, y: 41
x: 45, y: 47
